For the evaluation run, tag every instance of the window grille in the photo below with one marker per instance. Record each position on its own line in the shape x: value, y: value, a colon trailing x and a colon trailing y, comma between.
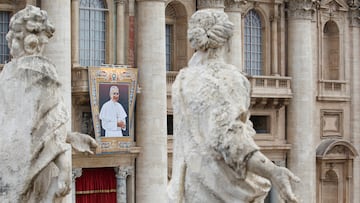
x: 169, y: 46
x: 253, y: 43
x: 4, y: 28
x: 92, y: 32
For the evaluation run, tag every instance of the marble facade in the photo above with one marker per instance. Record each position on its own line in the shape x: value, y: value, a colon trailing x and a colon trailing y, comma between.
x: 303, y: 112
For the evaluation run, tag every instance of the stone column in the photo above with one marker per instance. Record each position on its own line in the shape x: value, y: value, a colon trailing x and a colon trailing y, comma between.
x: 355, y: 92
x: 122, y: 173
x: 59, y: 52
x: 151, y: 133
x: 301, y: 111
x: 76, y: 173
x: 75, y: 16
x: 234, y: 56
x: 120, y: 31
x: 59, y: 48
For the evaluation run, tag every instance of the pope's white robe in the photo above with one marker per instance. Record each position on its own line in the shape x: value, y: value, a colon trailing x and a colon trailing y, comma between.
x: 111, y: 113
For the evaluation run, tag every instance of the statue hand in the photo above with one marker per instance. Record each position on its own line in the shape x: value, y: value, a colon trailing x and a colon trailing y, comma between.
x: 281, y: 179
x: 81, y: 142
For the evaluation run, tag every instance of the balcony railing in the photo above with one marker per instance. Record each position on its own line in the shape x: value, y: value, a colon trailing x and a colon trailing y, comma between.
x: 270, y: 86
x: 334, y: 90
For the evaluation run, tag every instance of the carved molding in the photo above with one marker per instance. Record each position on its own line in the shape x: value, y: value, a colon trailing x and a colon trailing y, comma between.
x: 302, y: 9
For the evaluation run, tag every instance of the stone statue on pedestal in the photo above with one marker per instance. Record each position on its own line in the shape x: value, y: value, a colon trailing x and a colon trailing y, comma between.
x: 215, y: 158
x: 33, y: 133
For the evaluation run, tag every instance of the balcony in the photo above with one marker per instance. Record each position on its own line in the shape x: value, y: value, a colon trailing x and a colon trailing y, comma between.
x: 270, y: 91
x: 267, y: 91
x: 333, y: 90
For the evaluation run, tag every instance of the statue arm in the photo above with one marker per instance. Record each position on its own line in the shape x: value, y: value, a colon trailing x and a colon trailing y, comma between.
x: 280, y: 177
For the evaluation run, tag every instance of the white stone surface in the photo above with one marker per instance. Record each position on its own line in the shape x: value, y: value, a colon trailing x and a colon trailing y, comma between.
x: 215, y: 158
x: 151, y: 135
x: 35, y: 154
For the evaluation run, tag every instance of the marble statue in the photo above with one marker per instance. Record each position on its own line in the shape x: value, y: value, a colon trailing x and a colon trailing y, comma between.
x: 33, y: 133
x: 215, y: 158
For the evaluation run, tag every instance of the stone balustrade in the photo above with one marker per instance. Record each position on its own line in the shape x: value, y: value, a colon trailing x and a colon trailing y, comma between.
x: 333, y: 90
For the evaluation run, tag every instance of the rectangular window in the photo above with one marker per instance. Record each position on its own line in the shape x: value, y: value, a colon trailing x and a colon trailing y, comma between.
x: 92, y: 33
x: 4, y: 28
x: 170, y: 130
x: 261, y: 124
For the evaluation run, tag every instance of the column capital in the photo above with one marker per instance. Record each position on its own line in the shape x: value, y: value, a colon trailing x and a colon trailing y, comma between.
x: 302, y: 9
x: 123, y: 171
x: 76, y: 173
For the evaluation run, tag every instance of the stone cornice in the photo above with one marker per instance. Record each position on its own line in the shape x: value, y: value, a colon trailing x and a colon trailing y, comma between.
x: 302, y: 9
x: 210, y: 4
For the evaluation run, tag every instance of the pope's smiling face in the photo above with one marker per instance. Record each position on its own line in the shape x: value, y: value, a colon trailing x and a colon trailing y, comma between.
x: 115, y: 96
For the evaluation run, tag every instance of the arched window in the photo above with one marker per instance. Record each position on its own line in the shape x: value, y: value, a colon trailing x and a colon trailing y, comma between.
x: 176, y: 36
x: 331, y: 52
x: 253, y: 43
x: 4, y: 28
x: 92, y: 32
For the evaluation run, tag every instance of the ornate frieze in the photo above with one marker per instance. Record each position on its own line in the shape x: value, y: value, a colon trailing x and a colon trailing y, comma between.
x: 302, y: 9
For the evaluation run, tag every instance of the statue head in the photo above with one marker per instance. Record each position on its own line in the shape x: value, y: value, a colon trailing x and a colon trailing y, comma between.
x: 209, y: 29
x: 29, y: 31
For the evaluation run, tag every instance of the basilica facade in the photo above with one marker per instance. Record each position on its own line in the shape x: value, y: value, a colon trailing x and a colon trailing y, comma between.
x: 300, y: 56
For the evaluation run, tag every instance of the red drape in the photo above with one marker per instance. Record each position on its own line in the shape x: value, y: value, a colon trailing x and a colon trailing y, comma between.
x: 96, y: 185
